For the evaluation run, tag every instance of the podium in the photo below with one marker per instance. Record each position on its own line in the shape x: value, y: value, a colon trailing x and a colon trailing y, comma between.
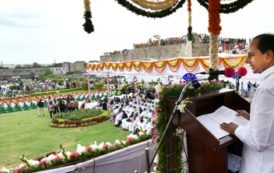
x: 205, y: 153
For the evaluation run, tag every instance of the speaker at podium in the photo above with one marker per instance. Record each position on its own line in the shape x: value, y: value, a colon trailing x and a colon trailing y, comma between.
x: 206, y: 153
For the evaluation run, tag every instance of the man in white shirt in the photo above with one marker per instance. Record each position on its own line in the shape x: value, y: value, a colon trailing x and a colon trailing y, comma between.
x: 258, y: 135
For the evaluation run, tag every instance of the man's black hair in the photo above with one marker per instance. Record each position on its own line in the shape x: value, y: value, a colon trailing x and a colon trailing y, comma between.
x: 265, y: 42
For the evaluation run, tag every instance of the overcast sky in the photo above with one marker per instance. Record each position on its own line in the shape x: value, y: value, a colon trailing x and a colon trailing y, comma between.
x: 47, y: 31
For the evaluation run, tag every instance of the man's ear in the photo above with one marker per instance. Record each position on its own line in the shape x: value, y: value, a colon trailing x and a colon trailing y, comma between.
x: 269, y: 56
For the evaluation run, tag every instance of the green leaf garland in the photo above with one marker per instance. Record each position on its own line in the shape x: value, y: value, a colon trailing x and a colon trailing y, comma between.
x: 88, y: 26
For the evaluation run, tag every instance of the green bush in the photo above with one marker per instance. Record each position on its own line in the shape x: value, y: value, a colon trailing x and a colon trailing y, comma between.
x: 79, y: 114
x: 12, y: 87
x: 84, y: 84
x: 98, y: 85
x: 55, y: 92
x: 60, y: 81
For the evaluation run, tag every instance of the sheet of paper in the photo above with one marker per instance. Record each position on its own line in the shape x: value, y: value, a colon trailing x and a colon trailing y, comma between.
x: 213, y: 120
x: 212, y: 126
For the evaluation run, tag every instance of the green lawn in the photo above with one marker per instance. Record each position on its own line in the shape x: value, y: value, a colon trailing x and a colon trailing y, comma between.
x: 26, y: 133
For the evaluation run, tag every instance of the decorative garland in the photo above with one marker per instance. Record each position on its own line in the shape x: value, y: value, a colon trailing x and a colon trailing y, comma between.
x: 214, y: 28
x: 88, y: 26
x: 137, y: 66
x: 128, y: 66
x: 189, y: 29
x: 214, y: 9
x: 213, y: 52
x: 228, y: 7
x: 190, y: 65
x: 156, y: 14
x: 161, y: 124
x: 205, y: 64
x: 156, y: 5
x: 239, y: 62
x: 160, y: 66
x: 148, y: 67
x: 214, y: 17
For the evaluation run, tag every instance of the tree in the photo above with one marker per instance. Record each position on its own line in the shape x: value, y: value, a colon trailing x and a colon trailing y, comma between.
x: 56, y: 65
x: 36, y: 65
x: 18, y: 66
x: 46, y: 73
x: 1, y: 67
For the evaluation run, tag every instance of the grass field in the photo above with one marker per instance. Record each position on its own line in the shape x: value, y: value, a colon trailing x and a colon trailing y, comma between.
x: 26, y: 133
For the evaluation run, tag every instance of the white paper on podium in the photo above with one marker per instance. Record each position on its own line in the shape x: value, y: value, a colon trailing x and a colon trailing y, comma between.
x: 223, y: 114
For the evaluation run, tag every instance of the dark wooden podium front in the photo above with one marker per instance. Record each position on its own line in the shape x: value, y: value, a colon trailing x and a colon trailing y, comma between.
x: 206, y: 154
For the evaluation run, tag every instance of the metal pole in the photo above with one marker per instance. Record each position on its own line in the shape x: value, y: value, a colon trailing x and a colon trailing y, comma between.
x: 147, y: 159
x: 170, y: 120
x: 88, y: 89
x: 237, y: 82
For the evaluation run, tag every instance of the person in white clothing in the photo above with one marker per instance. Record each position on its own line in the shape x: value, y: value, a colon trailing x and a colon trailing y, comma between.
x: 258, y: 135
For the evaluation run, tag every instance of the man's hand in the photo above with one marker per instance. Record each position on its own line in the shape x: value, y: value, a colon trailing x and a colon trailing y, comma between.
x: 243, y: 113
x: 229, y: 127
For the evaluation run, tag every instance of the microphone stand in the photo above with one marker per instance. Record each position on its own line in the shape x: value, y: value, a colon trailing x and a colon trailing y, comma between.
x: 237, y: 82
x: 168, y: 124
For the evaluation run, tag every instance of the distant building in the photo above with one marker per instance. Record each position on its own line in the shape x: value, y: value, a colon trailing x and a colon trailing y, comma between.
x: 28, y: 72
x: 66, y: 66
x: 9, y: 65
x: 22, y: 72
x: 77, y: 66
x: 58, y: 70
x: 94, y: 61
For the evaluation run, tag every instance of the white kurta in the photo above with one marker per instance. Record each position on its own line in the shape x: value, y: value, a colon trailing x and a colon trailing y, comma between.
x: 258, y: 136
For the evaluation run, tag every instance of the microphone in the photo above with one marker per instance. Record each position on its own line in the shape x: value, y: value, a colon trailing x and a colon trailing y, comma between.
x: 228, y: 72
x: 190, y: 77
x: 213, y: 74
x: 242, y: 71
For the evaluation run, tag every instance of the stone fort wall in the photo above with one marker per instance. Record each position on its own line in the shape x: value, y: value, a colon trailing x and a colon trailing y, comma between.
x: 160, y: 52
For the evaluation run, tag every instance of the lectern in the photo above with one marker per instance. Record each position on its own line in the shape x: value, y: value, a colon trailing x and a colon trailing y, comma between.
x: 206, y: 154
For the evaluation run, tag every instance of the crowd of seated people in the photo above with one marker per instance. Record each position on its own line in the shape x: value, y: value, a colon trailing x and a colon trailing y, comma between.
x: 130, y: 115
x: 94, y: 101
x: 125, y: 112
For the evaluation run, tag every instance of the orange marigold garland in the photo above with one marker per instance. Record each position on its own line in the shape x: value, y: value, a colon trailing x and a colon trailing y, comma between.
x: 214, y: 29
x: 214, y: 17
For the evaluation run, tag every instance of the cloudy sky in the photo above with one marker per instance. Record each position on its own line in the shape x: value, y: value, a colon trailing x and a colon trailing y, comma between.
x: 47, y: 31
